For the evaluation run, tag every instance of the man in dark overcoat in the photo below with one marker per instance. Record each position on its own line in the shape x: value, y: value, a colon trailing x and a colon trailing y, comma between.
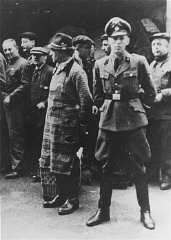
x: 123, y: 119
x: 39, y: 89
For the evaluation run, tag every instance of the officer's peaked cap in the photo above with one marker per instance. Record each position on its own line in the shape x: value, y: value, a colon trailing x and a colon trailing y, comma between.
x: 159, y: 35
x: 29, y: 35
x: 39, y: 51
x: 82, y: 39
x: 117, y: 26
x: 61, y: 41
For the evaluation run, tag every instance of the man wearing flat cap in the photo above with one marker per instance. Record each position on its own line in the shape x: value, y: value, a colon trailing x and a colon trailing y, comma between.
x: 160, y: 113
x: 40, y: 78
x: 82, y: 55
x: 123, y: 119
x: 28, y: 41
x: 69, y: 104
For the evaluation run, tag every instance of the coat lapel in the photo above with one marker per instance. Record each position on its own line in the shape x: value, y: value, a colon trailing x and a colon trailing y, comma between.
x: 125, y: 64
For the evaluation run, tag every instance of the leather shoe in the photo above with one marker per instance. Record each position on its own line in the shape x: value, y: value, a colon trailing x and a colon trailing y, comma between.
x: 147, y: 220
x: 12, y: 175
x: 102, y: 215
x: 56, y: 202
x: 69, y: 206
x: 166, y: 183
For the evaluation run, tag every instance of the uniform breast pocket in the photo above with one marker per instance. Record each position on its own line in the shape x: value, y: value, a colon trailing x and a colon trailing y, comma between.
x: 130, y: 80
x: 107, y: 81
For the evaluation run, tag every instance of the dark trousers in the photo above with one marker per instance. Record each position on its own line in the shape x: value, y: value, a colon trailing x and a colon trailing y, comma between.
x: 15, y: 122
x: 88, y: 155
x: 159, y: 136
x: 69, y: 184
x: 34, y: 137
x: 107, y: 147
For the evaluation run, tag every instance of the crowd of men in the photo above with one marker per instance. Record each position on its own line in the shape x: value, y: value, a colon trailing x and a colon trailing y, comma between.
x: 102, y: 105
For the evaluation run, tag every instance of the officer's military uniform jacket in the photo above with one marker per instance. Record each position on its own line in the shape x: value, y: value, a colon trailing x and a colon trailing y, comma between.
x: 161, y: 73
x: 69, y: 102
x: 127, y: 113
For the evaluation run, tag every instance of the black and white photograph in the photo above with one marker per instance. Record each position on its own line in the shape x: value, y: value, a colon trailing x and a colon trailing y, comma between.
x: 85, y: 119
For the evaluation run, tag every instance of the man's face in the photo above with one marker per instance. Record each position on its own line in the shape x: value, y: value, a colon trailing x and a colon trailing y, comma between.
x: 159, y: 47
x: 106, y: 47
x: 118, y: 43
x: 84, y: 51
x: 10, y: 50
x: 56, y: 55
x: 39, y: 59
x: 27, y: 44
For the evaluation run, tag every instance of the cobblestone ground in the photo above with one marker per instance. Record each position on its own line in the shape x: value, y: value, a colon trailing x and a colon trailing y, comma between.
x: 23, y: 217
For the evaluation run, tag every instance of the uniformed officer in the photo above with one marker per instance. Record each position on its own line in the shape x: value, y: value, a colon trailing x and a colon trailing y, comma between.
x: 123, y: 118
x: 122, y: 171
x: 160, y: 113
x: 39, y: 90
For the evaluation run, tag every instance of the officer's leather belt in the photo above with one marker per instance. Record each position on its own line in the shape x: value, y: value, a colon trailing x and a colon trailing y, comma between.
x: 121, y: 97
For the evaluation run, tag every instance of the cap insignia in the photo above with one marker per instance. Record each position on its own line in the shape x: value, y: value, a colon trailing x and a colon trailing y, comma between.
x: 117, y: 28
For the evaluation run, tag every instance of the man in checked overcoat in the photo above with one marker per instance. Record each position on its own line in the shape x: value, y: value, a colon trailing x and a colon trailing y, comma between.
x: 69, y: 105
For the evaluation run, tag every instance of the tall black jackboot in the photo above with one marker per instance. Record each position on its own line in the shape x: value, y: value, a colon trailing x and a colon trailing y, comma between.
x: 103, y: 213
x: 141, y: 185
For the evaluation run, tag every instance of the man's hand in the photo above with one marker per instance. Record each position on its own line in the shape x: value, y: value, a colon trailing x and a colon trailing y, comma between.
x: 7, y: 101
x: 158, y: 97
x: 41, y: 105
x: 94, y: 110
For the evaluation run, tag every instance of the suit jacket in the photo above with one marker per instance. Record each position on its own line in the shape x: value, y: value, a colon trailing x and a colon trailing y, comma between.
x: 128, y: 113
x: 161, y: 73
x: 13, y: 85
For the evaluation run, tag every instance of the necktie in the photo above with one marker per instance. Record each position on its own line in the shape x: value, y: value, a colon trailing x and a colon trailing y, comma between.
x: 116, y: 64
